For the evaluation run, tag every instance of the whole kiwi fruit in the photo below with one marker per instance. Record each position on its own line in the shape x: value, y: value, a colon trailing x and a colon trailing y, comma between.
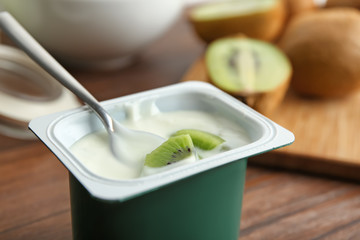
x: 343, y: 3
x: 295, y: 7
x: 324, y: 49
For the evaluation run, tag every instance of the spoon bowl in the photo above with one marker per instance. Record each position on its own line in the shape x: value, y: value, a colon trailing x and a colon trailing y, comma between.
x: 122, y: 140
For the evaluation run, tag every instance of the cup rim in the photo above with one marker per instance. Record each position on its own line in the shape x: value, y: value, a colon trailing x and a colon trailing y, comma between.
x: 274, y: 136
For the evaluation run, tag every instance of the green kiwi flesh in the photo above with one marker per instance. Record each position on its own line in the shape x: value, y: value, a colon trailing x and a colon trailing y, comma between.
x: 175, y: 149
x: 201, y: 139
x: 243, y: 66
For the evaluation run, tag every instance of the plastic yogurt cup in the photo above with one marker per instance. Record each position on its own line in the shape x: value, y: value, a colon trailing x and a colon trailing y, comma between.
x: 199, y: 200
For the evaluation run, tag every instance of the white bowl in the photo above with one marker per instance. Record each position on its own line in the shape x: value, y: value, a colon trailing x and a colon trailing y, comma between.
x: 101, y: 33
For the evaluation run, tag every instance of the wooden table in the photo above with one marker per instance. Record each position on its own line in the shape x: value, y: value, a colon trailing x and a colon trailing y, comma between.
x: 34, y: 193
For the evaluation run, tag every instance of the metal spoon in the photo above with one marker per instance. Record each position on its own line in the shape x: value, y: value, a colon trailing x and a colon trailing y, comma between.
x: 124, y: 143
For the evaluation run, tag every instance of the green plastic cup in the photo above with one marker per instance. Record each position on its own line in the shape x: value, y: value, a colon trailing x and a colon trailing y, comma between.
x: 201, y: 200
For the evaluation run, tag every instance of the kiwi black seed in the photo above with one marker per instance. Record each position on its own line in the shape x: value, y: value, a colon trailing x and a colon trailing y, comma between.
x: 175, y: 149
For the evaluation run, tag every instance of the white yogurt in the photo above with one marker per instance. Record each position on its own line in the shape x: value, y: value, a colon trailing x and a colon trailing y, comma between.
x: 94, y: 152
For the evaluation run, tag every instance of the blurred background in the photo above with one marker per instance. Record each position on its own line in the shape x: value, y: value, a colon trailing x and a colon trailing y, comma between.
x: 308, y: 190
x: 316, y: 98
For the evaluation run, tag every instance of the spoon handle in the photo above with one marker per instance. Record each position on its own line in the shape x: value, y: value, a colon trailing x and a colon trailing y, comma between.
x: 28, y: 44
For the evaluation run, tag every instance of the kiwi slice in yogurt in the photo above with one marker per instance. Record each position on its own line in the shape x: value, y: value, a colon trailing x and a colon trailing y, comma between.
x: 175, y: 149
x: 180, y: 149
x: 202, y: 139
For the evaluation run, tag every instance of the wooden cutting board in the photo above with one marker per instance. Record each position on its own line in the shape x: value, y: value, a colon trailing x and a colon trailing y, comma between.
x: 327, y: 132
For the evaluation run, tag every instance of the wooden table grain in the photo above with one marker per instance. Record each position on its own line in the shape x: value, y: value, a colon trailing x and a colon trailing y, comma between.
x: 278, y: 204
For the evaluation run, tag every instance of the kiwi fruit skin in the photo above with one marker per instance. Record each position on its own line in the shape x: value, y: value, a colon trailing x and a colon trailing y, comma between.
x: 175, y: 149
x: 324, y: 49
x: 201, y: 139
x: 295, y: 7
x: 264, y: 101
x: 263, y: 25
x: 342, y: 3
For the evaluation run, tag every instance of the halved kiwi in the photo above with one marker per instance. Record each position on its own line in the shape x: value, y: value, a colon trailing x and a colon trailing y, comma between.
x: 175, y: 149
x: 256, y: 71
x: 202, y: 139
x: 261, y: 19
